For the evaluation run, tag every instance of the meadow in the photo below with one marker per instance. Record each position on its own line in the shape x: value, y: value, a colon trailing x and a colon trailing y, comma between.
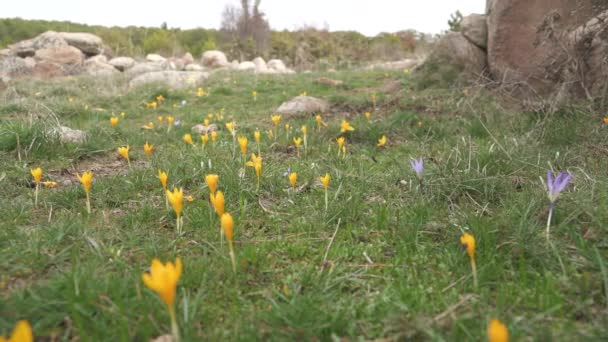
x: 384, y: 261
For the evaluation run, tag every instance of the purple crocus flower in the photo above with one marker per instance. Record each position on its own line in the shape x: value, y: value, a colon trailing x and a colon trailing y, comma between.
x: 177, y: 122
x: 555, y: 187
x: 286, y: 173
x: 418, y: 166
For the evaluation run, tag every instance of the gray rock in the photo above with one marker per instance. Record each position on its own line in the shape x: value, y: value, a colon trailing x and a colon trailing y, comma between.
x: 96, y: 67
x: 97, y: 59
x: 260, y: 64
x: 202, y: 129
x: 303, y: 104
x: 276, y: 64
x: 154, y: 58
x: 12, y: 67
x: 474, y: 27
x: 246, y: 66
x: 88, y: 43
x: 143, y: 68
x: 188, y: 58
x: 194, y: 67
x: 122, y: 63
x: 68, y: 135
x: 67, y: 55
x: 214, y: 59
x: 172, y: 79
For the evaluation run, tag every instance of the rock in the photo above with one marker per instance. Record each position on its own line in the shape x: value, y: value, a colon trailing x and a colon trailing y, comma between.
x: 96, y: 67
x: 260, y: 64
x: 176, y: 63
x: 188, y: 58
x: 122, y: 63
x: 46, y: 69
x: 303, y: 104
x: 276, y: 64
x: 108, y: 52
x: 5, y: 53
x: 67, y: 55
x: 23, y: 48
x: 407, y: 63
x: 246, y: 66
x: 88, y: 43
x: 234, y: 64
x: 97, y: 59
x: 146, y: 68
x: 13, y: 67
x: 172, y: 79
x: 328, y: 81
x: 202, y: 129
x: 524, y: 40
x: 2, y: 85
x: 475, y: 28
x: 68, y: 135
x: 454, y: 57
x: 30, y: 63
x: 154, y: 58
x: 214, y: 59
x: 46, y: 40
x: 194, y: 67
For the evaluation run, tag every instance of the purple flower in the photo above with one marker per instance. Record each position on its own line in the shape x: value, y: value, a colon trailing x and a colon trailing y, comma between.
x: 555, y: 187
x: 286, y: 173
x: 418, y: 166
x: 177, y: 122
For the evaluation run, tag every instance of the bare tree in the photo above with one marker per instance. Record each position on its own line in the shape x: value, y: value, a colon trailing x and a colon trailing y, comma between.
x: 245, y: 30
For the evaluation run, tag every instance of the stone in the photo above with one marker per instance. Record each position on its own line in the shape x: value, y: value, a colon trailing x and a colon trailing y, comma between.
x: 96, y: 67
x: 172, y: 79
x: 176, y: 63
x: 154, y: 58
x: 202, y: 129
x: 13, y: 67
x: 303, y: 104
x: 46, y: 40
x: 5, y: 53
x: 188, y: 58
x: 276, y: 64
x: 407, y: 63
x: 243, y: 66
x: 143, y: 68
x: 24, y: 48
x: 67, y: 55
x: 214, y: 59
x: 260, y: 64
x: 46, y: 69
x: 97, y: 59
x: 88, y: 43
x: 122, y: 63
x: 454, y: 50
x: 193, y: 67
x: 68, y: 135
x: 474, y: 27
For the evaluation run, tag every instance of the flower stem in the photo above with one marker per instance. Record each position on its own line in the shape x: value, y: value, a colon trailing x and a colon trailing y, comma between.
x: 174, y: 327
x: 474, y: 269
x: 258, y: 189
x: 88, y: 203
x: 166, y: 199
x: 326, y: 200
x: 129, y: 162
x: 232, y: 257
x: 179, y: 225
x: 551, y: 207
x: 36, y: 195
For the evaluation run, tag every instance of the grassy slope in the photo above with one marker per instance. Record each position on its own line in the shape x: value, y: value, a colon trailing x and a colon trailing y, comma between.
x: 74, y: 275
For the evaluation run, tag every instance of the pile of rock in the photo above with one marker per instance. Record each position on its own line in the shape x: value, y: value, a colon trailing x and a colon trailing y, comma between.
x: 53, y: 54
x: 556, y: 47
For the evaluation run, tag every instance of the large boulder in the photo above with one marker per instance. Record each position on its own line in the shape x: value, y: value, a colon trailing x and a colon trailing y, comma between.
x: 214, y: 59
x: 172, y: 79
x: 243, y: 66
x: 194, y: 67
x: 143, y: 68
x: 13, y: 67
x: 66, y: 55
x: 46, y: 40
x: 122, y: 63
x: 67, y: 135
x: 260, y: 64
x: 154, y: 58
x: 276, y: 64
x: 525, y: 44
x: 302, y: 105
x: 97, y: 67
x: 188, y: 58
x: 474, y: 27
x: 88, y: 43
x: 453, y: 59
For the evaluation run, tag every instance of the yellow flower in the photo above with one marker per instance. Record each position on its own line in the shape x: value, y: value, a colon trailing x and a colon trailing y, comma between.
x: 605, y: 119
x: 148, y: 148
x: 21, y: 333
x: 37, y: 174
x: 368, y: 115
x: 205, y: 138
x: 297, y: 141
x: 340, y: 142
x: 206, y: 122
x: 345, y: 126
x: 217, y: 200
x: 170, y: 120
x: 160, y: 119
x: 293, y: 179
x: 303, y: 93
x: 243, y: 145
x: 257, y: 136
x: 163, y: 176
x: 214, y: 136
x: 176, y: 199
x: 160, y: 98
x: 230, y: 127
x: 49, y: 184
x: 150, y: 125
x: 187, y: 138
x: 189, y: 198
x: 200, y: 92
x: 256, y: 163
x: 276, y: 119
x: 210, y: 116
x: 497, y: 331
x: 270, y: 134
x: 86, y: 180
x: 151, y: 104
x: 228, y: 226
x: 122, y: 114
x: 287, y: 127
x: 163, y: 279
x: 319, y: 120
x: 114, y: 121
x: 344, y: 151
x: 468, y: 242
x: 124, y: 152
x: 382, y: 141
x: 212, y: 180
x: 254, y: 94
x: 325, y: 180
x: 304, y: 130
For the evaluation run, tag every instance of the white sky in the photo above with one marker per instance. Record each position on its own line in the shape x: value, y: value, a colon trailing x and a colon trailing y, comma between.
x: 365, y: 16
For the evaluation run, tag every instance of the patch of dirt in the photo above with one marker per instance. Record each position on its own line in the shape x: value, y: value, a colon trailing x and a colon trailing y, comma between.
x: 105, y: 165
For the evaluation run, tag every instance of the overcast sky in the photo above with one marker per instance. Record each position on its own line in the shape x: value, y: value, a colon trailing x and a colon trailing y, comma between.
x: 366, y: 16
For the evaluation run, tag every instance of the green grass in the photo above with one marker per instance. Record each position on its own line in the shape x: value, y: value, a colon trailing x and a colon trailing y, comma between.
x: 395, y: 268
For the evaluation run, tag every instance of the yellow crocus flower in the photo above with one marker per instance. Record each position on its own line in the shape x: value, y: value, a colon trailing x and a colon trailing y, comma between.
x: 497, y: 331
x: 163, y: 280
x: 176, y: 199
x: 345, y: 126
x: 228, y: 228
x: 382, y: 141
x: 36, y: 174
x: 124, y: 152
x: 276, y: 119
x: 368, y: 115
x: 205, y: 139
x: 86, y: 180
x: 148, y: 149
x: 243, y: 145
x: 114, y: 121
x: 211, y: 180
x: 257, y: 136
x: 293, y: 179
x: 187, y: 138
x: 213, y: 137
x: 218, y: 202
x: 468, y: 242
x: 21, y: 333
